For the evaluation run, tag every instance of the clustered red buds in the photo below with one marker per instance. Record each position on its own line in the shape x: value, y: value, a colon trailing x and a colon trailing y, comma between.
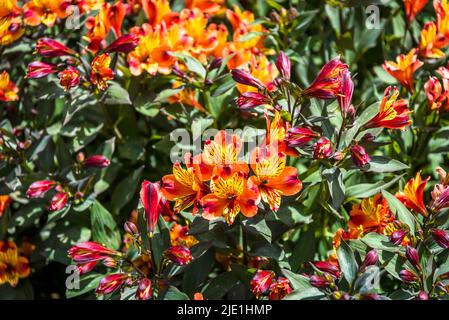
x: 265, y: 282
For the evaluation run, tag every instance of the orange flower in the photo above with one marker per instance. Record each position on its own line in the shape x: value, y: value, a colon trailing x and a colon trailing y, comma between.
x: 413, y: 7
x: 5, y: 200
x: 392, y: 114
x: 207, y: 6
x: 229, y: 197
x: 442, y: 11
x: 403, y: 68
x: 100, y: 71
x: 413, y: 194
x: 430, y: 42
x: 46, y: 11
x: 277, y: 130
x: 156, y: 10
x: 13, y: 266
x: 184, y: 187
x: 179, y: 236
x: 8, y: 89
x: 11, y: 27
x: 272, y: 177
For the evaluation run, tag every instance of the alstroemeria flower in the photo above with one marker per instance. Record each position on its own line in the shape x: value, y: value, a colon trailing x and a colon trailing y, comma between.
x: 413, y: 7
x: 403, y: 68
x: 111, y: 283
x: 441, y: 237
x: 153, y: 202
x: 359, y: 156
x: 245, y: 78
x: 392, y: 114
x: 46, y: 11
x: 413, y: 194
x: 37, y: 69
x: 279, y: 289
x: 345, y: 93
x: 11, y: 27
x: 5, y: 200
x: 58, y: 201
x: 97, y: 161
x: 261, y: 282
x: 50, y: 48
x: 430, y: 43
x: 39, y: 188
x: 328, y: 81
x: 13, y: 266
x: 272, y: 177
x: 229, y: 197
x: 329, y: 268
x: 283, y: 65
x: 322, y: 149
x: 87, y: 252
x: 8, y: 89
x: 100, y: 71
x: 250, y: 100
x: 276, y: 134
x: 442, y: 10
x: 124, y: 44
x: 434, y: 93
x: 144, y: 289
x: 179, y: 254
x: 69, y: 78
x: 297, y: 137
x: 184, y: 187
x: 207, y: 6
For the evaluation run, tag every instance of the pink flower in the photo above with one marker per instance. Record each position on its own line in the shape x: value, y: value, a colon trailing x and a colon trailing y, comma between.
x: 297, y: 136
x: 144, y: 289
x: 359, y: 156
x: 50, y: 48
x: 261, y: 282
x: 322, y: 149
x: 86, y: 252
x: 111, y: 283
x: 39, y: 188
x: 58, y: 201
x: 152, y: 201
x: 37, y: 69
x: 250, y: 100
x: 97, y: 161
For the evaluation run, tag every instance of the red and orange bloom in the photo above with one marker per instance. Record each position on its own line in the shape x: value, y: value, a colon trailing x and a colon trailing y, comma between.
x: 413, y: 194
x: 431, y: 42
x: 198, y: 296
x: 261, y: 282
x: 111, y: 283
x: 179, y: 254
x: 46, y: 11
x: 50, y: 48
x: 179, y: 236
x: 434, y: 93
x: 229, y: 197
x: 440, y: 193
x: 37, y: 69
x: 144, y: 289
x: 207, y: 6
x: 5, y: 200
x: 272, y: 177
x: 11, y: 28
x: 58, y: 201
x: 8, y: 89
x: 13, y: 265
x: 184, y: 187
x: 87, y: 252
x: 39, y: 188
x: 442, y: 11
x: 404, y: 68
x: 345, y: 93
x: 392, y: 114
x: 100, y: 71
x: 328, y: 81
x: 323, y: 149
x: 279, y: 289
x: 69, y: 78
x: 250, y: 100
x: 413, y: 7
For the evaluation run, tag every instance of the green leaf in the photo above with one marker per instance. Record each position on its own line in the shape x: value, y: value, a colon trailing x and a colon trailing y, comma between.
x: 173, y: 293
x: 366, y: 190
x: 116, y: 94
x: 336, y: 186
x: 346, y: 259
x: 258, y: 227
x: 87, y: 283
x: 125, y: 190
x: 380, y: 242
x: 191, y: 63
x: 219, y: 286
x: 381, y: 164
x: 297, y: 281
x: 400, y: 211
x: 104, y: 227
x: 307, y: 294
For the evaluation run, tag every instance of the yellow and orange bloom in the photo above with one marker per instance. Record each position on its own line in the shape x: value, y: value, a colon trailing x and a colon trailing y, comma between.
x: 413, y: 194
x: 272, y: 177
x: 179, y: 236
x: 101, y: 72
x: 207, y: 6
x: 430, y: 42
x: 46, y: 11
x: 392, y: 114
x: 229, y: 197
x: 69, y: 78
x: 11, y: 28
x: 404, y: 68
x: 413, y: 7
x: 8, y: 89
x: 13, y: 266
x: 5, y: 200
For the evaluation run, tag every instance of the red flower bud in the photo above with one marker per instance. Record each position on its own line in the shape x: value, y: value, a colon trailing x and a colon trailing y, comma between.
x: 50, y: 48
x: 198, y: 296
x: 407, y: 276
x: 327, y: 267
x: 152, y: 201
x: 86, y: 267
x: 179, y: 254
x: 124, y: 44
x: 215, y: 64
x: 261, y: 282
x: 397, y: 237
x: 97, y: 161
x: 58, y: 201
x: 39, y: 188
x: 371, y: 258
x: 246, y: 78
x: 131, y: 228
x: 328, y: 82
x: 412, y: 256
x: 318, y: 281
x: 283, y: 65
x: 297, y: 137
x: 359, y: 156
x: 441, y: 237
x: 279, y: 289
x: 85, y: 252
x: 39, y: 69
x: 144, y: 289
x: 249, y: 100
x: 422, y: 296
x: 345, y: 93
x: 322, y: 149
x: 111, y: 283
